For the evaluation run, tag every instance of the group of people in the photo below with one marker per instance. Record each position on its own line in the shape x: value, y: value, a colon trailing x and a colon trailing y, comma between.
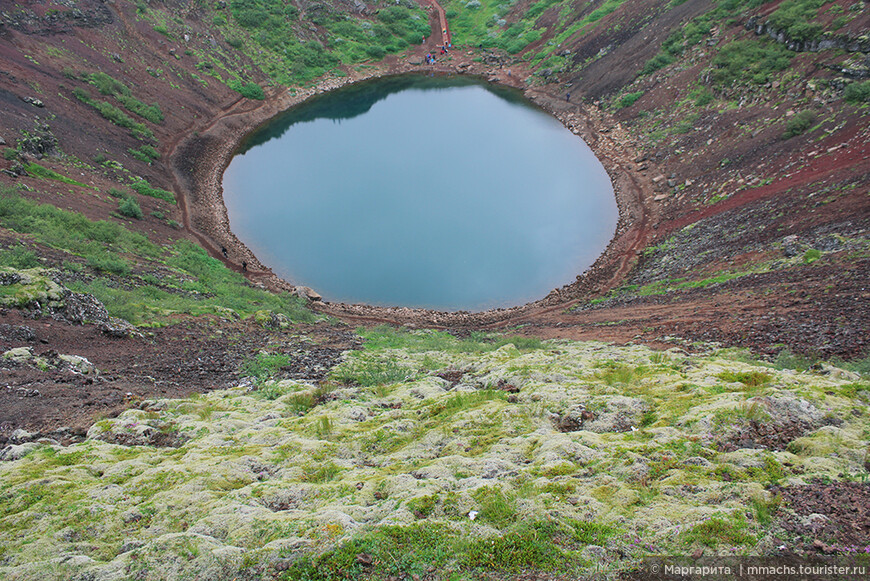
x: 430, y: 58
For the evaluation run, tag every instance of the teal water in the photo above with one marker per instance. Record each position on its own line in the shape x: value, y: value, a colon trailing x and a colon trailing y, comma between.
x: 421, y: 192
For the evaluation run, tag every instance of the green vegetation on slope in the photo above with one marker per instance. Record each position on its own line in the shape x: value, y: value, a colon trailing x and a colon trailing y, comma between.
x: 291, y: 56
x: 192, y: 282
x: 115, y: 115
x: 107, y: 85
x: 45, y: 173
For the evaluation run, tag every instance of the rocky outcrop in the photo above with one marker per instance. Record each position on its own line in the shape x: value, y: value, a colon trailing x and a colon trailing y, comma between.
x: 37, y: 290
x: 826, y: 41
x: 62, y: 18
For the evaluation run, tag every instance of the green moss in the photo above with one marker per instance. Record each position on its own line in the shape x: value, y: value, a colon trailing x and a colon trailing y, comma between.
x: 811, y: 255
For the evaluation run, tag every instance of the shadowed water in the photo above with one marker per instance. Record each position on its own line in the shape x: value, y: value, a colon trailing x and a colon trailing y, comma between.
x: 423, y: 192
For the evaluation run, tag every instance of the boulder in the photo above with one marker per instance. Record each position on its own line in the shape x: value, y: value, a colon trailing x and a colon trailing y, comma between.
x: 307, y: 293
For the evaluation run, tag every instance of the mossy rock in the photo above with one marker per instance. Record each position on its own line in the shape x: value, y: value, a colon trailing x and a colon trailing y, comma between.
x: 27, y: 288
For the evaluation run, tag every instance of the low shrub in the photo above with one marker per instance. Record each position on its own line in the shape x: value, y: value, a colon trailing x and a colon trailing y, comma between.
x: 857, y: 93
x: 799, y: 124
x: 628, y: 100
x: 108, y: 263
x: 130, y: 208
x: 248, y: 90
x: 749, y: 61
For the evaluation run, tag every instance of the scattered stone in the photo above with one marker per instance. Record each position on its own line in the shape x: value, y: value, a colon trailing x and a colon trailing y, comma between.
x: 697, y: 461
x: 20, y: 436
x: 19, y: 354
x: 33, y: 101
x: 17, y: 452
x: 791, y: 247
x: 20, y: 333
x: 77, y: 363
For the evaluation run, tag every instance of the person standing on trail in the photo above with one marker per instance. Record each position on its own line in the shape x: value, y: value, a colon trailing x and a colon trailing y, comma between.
x: 224, y: 251
x: 244, y: 266
x: 568, y: 97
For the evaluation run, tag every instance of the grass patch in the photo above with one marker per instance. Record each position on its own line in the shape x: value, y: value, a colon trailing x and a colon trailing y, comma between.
x: 371, y: 373
x: 526, y: 548
x: 321, y: 473
x: 465, y: 401
x: 618, y: 374
x: 386, y: 337
x: 247, y: 90
x: 495, y: 507
x: 70, y: 231
x: 749, y: 62
x: 264, y: 367
x: 857, y: 93
x: 114, y: 115
x: 394, y: 551
x: 18, y: 257
x: 628, y: 100
x: 216, y: 286
x: 747, y: 378
x: 142, y: 187
x: 145, y: 153
x: 794, y: 17
x: 410, y: 551
x: 718, y: 531
x: 44, y: 173
x: 108, y: 85
x: 102, y: 243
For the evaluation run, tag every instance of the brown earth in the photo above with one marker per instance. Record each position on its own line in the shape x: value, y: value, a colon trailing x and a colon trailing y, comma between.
x: 816, y: 188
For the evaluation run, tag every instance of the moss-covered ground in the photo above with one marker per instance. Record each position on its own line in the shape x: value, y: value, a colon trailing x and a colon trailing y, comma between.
x: 428, y: 455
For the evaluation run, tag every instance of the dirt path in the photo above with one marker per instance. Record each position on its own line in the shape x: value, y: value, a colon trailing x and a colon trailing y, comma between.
x: 443, y: 26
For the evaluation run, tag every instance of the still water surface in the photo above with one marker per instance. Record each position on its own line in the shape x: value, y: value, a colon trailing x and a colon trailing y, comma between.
x: 422, y: 192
